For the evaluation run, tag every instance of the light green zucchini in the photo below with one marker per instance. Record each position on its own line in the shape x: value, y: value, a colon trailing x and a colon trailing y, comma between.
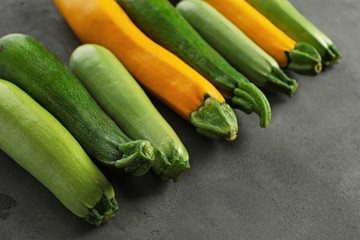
x: 122, y: 98
x: 285, y: 16
x: 236, y: 47
x: 41, y: 145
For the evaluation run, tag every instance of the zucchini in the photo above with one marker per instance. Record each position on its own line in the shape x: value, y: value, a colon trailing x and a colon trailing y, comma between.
x: 163, y: 24
x: 122, y: 98
x: 162, y: 73
x: 236, y: 47
x: 293, y: 23
x: 301, y: 58
x: 42, y: 146
x: 27, y: 63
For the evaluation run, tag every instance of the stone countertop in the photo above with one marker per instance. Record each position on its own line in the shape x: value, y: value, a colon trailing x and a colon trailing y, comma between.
x: 298, y: 179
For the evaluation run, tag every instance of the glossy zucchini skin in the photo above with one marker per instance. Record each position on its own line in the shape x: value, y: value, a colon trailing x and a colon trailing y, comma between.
x: 122, y: 98
x: 31, y: 66
x: 41, y: 145
x: 286, y: 17
x: 163, y: 24
x: 236, y: 47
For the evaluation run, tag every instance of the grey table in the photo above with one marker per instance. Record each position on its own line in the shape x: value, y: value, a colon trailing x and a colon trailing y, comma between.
x: 298, y: 179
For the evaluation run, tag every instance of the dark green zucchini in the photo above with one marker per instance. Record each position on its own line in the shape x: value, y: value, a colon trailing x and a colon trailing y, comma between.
x: 163, y: 24
x: 31, y: 66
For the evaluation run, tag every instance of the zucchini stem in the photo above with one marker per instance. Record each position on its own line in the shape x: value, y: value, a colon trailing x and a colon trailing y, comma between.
x: 331, y: 56
x: 304, y: 59
x: 138, y: 156
x: 169, y: 168
x: 278, y: 81
x: 247, y: 95
x: 103, y: 211
x: 243, y: 101
x: 215, y: 120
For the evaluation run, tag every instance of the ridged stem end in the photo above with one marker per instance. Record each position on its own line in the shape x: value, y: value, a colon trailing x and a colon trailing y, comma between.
x: 331, y: 56
x: 278, y: 81
x: 103, y: 211
x: 215, y: 120
x: 304, y: 59
x: 170, y: 168
x: 138, y: 157
x: 247, y: 94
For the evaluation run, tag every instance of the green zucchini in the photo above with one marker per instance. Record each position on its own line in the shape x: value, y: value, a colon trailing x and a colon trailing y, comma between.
x: 41, y: 145
x: 27, y: 63
x: 163, y: 24
x: 122, y: 98
x: 293, y: 23
x: 236, y: 47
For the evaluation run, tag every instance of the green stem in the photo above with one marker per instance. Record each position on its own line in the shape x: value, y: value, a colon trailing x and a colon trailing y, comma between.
x: 243, y: 101
x: 249, y: 96
x: 169, y: 168
x: 331, y: 56
x: 215, y: 120
x: 278, y: 81
x: 103, y: 211
x: 138, y: 157
x: 304, y: 59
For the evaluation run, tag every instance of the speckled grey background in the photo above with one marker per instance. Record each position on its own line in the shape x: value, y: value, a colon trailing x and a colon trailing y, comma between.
x: 298, y: 179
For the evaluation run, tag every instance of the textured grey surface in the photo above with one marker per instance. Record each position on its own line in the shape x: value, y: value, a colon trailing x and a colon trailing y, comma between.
x: 298, y: 179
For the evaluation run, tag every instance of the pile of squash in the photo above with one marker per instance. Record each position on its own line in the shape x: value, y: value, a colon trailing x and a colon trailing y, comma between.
x: 201, y: 57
